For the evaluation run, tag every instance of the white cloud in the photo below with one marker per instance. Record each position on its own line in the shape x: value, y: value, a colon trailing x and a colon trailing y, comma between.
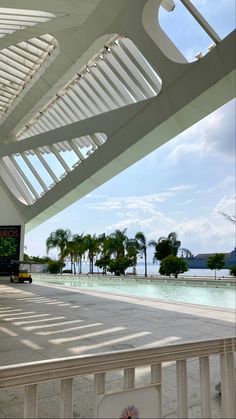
x: 204, y: 234
x: 154, y: 224
x: 95, y: 196
x: 214, y: 134
x: 186, y: 149
x: 228, y: 183
x: 180, y: 188
x: 108, y: 205
x: 199, y: 234
x: 143, y: 202
x: 227, y: 204
x: 183, y: 203
x: 208, y: 232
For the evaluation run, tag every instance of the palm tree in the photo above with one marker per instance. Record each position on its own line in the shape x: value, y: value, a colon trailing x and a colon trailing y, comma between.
x: 172, y: 238
x: 104, y: 244
x: 105, y: 250
x: 91, y: 244
x: 163, y: 248
x: 70, y: 251
x: 59, y: 239
x: 80, y: 248
x: 75, y: 249
x: 132, y: 250
x: 120, y: 244
x: 117, y: 243
x: 142, y: 245
x: 152, y: 243
x: 175, y: 243
x: 186, y: 253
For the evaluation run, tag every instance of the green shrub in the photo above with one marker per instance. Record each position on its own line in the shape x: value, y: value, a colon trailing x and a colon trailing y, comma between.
x: 173, y: 265
x: 216, y: 262
x: 67, y: 271
x: 54, y: 266
x: 233, y: 270
x: 119, y: 265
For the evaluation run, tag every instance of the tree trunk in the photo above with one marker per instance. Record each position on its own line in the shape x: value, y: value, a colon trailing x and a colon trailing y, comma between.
x: 145, y: 263
x: 61, y: 260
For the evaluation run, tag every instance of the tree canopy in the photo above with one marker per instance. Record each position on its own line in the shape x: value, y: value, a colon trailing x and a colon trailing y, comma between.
x: 216, y: 262
x: 142, y: 247
x: 173, y: 265
x: 114, y: 253
x: 59, y: 239
x: 233, y: 270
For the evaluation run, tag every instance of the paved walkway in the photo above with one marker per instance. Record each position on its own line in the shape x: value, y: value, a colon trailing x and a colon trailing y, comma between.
x: 43, y: 322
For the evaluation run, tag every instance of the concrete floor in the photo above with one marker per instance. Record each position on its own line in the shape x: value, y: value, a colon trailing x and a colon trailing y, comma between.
x: 43, y: 322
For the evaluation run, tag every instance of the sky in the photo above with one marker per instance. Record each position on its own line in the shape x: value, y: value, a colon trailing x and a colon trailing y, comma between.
x: 183, y: 185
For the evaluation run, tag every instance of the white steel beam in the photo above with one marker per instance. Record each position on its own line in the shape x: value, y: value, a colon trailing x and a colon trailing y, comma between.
x: 76, y: 150
x: 201, y: 20
x: 47, y: 167
x: 16, y: 180
x: 24, y: 177
x: 60, y: 158
x: 34, y: 171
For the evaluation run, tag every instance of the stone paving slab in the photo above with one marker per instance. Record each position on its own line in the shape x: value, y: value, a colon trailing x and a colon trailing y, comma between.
x: 44, y: 322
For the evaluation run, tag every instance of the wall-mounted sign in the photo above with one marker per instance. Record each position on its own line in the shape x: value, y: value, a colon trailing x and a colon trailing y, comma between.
x: 9, y: 246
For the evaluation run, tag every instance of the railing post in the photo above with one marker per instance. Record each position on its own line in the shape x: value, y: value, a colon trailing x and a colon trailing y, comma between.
x: 156, y: 375
x: 99, y: 389
x: 99, y: 383
x: 205, y: 386
x: 227, y: 371
x: 182, y: 387
x: 129, y: 378
x: 30, y: 403
x: 66, y: 398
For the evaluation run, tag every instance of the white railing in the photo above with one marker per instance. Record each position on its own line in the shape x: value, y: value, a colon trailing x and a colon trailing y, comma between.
x: 31, y: 374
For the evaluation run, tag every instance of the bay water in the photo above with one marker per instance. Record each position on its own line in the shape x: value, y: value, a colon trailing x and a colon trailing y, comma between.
x: 153, y: 270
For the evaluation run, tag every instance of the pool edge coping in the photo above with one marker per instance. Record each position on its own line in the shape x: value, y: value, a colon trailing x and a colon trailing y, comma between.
x: 139, y: 298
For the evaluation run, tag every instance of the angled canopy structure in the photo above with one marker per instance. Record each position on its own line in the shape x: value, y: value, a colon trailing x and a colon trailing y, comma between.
x: 89, y: 87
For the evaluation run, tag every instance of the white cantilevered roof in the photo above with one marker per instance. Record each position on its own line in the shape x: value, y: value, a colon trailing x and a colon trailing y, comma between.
x: 52, y: 77
x: 116, y: 76
x: 19, y: 65
x: 12, y: 20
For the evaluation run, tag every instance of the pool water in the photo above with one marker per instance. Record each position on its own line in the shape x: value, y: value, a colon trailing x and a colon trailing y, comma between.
x: 212, y: 295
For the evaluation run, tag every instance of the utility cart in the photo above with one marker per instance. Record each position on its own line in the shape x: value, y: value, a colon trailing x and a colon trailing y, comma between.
x: 19, y: 273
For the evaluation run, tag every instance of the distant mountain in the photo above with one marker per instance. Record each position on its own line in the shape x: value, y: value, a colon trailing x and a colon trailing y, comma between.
x: 200, y: 261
